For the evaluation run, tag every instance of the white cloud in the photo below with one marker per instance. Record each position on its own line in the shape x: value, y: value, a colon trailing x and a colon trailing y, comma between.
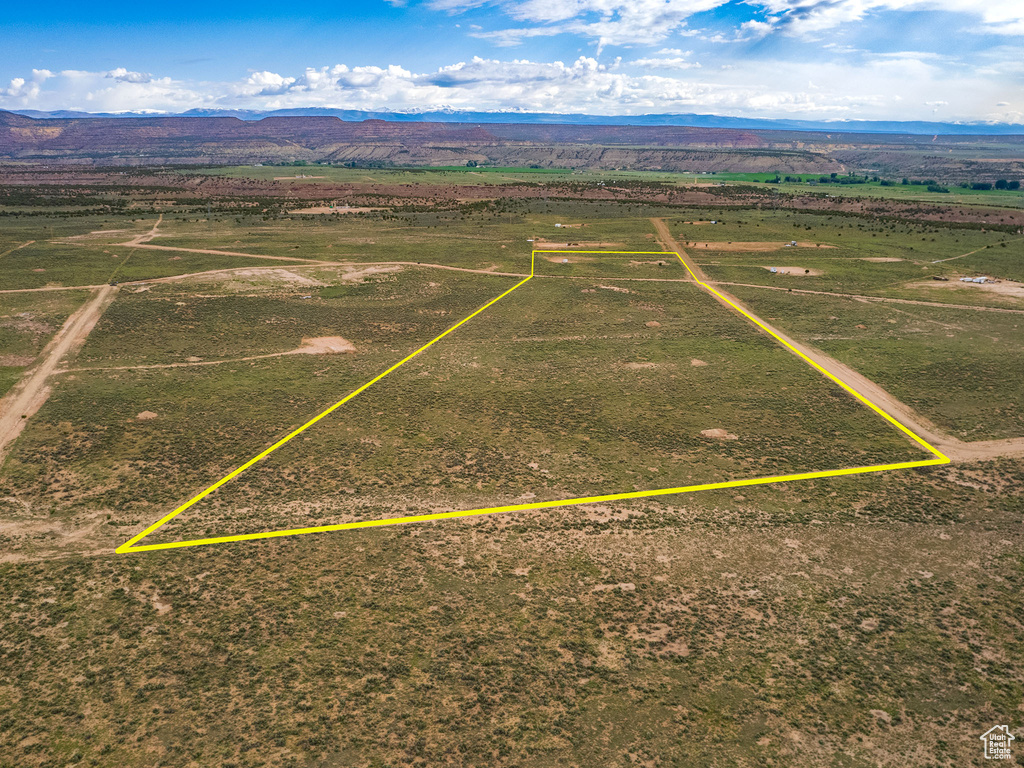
x: 889, y: 87
x: 755, y: 28
x: 605, y: 22
x: 676, y: 62
x: 810, y: 17
x: 646, y: 22
x: 123, y: 75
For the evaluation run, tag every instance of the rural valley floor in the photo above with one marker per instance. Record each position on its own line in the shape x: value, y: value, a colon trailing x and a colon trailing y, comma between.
x: 149, y: 347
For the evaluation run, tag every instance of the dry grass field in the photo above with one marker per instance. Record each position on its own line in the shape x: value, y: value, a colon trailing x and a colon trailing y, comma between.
x: 849, y: 621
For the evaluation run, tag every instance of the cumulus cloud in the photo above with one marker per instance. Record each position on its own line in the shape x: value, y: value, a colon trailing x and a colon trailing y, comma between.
x: 889, y: 87
x: 123, y: 75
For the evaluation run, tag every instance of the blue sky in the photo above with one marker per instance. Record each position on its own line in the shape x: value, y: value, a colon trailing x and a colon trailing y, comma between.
x: 950, y: 60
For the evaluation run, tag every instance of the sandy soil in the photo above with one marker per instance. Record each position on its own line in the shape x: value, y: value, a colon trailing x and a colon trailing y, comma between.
x: 324, y: 345
x: 572, y: 259
x: 280, y: 275
x: 538, y: 244
x: 318, y: 209
x: 750, y: 246
x: 880, y: 259
x: 1012, y: 290
x: 358, y: 275
x: 797, y: 271
x: 29, y: 394
x: 718, y: 434
x: 16, y: 360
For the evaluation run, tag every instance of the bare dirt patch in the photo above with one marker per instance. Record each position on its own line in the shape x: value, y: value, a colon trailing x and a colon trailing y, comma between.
x: 146, y: 416
x: 98, y: 233
x: 546, y: 244
x: 318, y: 209
x: 626, y: 586
x: 276, y: 275
x: 640, y: 366
x: 880, y: 259
x: 572, y: 259
x: 16, y: 360
x: 697, y: 363
x: 325, y: 345
x: 615, y: 288
x: 1010, y: 290
x: 750, y: 246
x: 718, y: 434
x: 359, y: 274
x: 798, y: 271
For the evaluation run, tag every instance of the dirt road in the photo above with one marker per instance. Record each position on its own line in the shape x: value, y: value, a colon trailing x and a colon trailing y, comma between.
x: 956, y: 449
x: 28, y: 395
x: 669, y: 244
x: 879, y: 299
x: 147, y: 246
x: 145, y: 237
x: 16, y: 248
x: 969, y: 253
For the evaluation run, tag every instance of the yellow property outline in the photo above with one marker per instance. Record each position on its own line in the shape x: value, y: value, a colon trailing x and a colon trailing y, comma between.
x: 131, y: 545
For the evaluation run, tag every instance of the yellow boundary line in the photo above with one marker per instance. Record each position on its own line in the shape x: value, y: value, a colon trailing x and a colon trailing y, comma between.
x: 131, y: 545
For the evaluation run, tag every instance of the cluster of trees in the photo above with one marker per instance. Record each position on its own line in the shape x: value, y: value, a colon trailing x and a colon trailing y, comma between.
x: 931, y: 184
x: 832, y: 178
x: 934, y: 186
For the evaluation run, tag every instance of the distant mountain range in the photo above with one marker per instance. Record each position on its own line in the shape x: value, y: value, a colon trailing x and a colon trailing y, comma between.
x: 225, y: 139
x: 550, y: 118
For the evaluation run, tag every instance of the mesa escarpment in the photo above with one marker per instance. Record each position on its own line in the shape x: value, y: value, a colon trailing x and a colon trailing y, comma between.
x: 134, y: 141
